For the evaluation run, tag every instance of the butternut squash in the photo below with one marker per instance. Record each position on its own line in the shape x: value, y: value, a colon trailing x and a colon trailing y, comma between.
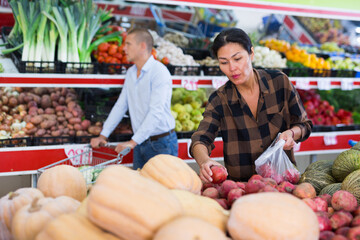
x: 32, y: 218
x: 189, y: 228
x: 204, y: 208
x: 172, y: 172
x: 272, y: 216
x: 63, y: 180
x: 129, y: 205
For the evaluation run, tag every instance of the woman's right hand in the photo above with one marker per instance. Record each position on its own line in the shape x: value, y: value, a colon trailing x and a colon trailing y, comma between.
x: 205, y: 170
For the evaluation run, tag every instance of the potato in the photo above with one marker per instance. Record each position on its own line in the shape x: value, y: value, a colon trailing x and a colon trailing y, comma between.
x: 56, y: 133
x: 32, y: 104
x: 54, y: 96
x: 49, y: 110
x: 70, y: 127
x: 74, y: 120
x: 40, y: 111
x: 71, y: 105
x: 36, y: 119
x: 31, y: 131
x: 5, y: 100
x: 5, y: 108
x: 60, y: 114
x: 68, y: 115
x: 13, y: 102
x: 77, y: 126
x: 60, y: 108
x: 71, y: 132
x: 61, y: 119
x: 85, y: 124
x: 27, y: 118
x: 61, y: 101
x: 40, y: 132
x: 94, y: 130
x: 45, y: 101
x: 54, y: 104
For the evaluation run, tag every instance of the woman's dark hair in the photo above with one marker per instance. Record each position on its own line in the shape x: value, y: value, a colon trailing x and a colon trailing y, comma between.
x: 231, y: 35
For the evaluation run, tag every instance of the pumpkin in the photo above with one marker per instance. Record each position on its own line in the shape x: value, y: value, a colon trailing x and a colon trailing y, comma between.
x: 317, y: 178
x: 270, y: 216
x: 330, y: 189
x: 202, y: 207
x: 75, y: 227
x: 62, y: 180
x: 13, y: 201
x: 32, y: 218
x: 352, y: 184
x: 189, y: 228
x: 129, y: 205
x: 347, y: 162
x: 172, y: 172
x: 321, y: 166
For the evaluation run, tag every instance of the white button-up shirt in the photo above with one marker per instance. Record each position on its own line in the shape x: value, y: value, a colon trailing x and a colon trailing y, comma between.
x: 148, y: 99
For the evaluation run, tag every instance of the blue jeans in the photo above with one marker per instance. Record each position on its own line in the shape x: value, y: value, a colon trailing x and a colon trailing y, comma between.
x: 148, y: 149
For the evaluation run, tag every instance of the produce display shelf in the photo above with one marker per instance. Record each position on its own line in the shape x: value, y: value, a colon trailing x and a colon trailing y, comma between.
x: 116, y: 81
x: 22, y: 159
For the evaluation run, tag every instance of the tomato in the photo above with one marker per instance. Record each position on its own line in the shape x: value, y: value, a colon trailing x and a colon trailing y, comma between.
x: 112, y: 49
x: 165, y: 60
x: 124, y: 60
x: 118, y: 55
x: 101, y: 59
x: 103, y: 47
x: 104, y: 54
x: 120, y: 49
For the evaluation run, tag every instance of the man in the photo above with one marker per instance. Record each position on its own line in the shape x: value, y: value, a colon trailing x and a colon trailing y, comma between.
x: 147, y: 95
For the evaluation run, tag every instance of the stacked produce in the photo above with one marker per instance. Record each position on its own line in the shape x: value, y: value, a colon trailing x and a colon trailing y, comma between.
x: 166, y: 195
x: 43, y: 112
x: 321, y: 112
x: 187, y: 108
x: 296, y: 54
x: 169, y: 50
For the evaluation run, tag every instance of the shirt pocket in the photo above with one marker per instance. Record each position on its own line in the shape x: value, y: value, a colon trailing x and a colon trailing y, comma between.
x: 277, y: 119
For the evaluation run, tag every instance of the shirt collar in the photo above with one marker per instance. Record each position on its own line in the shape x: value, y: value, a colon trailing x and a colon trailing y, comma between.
x: 147, y: 65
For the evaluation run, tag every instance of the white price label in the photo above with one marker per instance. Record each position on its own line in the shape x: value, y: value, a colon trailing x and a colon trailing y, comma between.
x: 218, y: 81
x: 190, y: 83
x: 83, y: 155
x: 138, y: 10
x: 330, y: 139
x: 297, y: 147
x: 347, y: 84
x: 303, y: 84
x: 324, y: 84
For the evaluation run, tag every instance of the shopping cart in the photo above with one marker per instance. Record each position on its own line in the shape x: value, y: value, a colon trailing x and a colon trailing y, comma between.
x: 90, y: 162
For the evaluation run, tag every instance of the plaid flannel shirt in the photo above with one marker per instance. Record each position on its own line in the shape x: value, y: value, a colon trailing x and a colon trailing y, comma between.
x: 244, y: 137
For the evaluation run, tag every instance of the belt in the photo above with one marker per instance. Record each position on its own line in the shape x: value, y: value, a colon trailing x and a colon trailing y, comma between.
x: 156, y: 137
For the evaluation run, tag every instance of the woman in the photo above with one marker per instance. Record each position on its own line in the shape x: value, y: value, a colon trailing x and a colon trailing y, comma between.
x: 249, y: 110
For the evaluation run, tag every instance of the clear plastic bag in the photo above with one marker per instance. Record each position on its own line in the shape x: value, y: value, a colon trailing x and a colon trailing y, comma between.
x: 275, y: 164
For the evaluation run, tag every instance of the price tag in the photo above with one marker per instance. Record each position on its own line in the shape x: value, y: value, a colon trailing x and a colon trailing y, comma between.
x: 190, y: 83
x: 219, y: 81
x: 138, y: 10
x: 297, y: 147
x: 303, y: 84
x: 83, y: 154
x: 330, y: 139
x: 324, y: 84
x: 347, y: 84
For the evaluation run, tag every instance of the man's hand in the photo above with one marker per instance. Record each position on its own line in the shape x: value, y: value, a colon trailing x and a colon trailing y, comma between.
x: 98, y: 141
x: 121, y: 146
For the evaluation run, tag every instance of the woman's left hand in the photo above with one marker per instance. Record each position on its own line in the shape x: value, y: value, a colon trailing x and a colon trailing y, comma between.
x: 289, y: 141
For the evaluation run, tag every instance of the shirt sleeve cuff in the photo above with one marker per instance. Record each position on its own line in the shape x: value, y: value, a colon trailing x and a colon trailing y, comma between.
x: 105, y: 133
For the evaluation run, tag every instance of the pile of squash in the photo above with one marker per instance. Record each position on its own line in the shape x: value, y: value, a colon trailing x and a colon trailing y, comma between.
x: 161, y: 201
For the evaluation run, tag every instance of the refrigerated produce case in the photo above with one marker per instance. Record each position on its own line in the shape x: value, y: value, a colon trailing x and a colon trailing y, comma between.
x: 25, y: 160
